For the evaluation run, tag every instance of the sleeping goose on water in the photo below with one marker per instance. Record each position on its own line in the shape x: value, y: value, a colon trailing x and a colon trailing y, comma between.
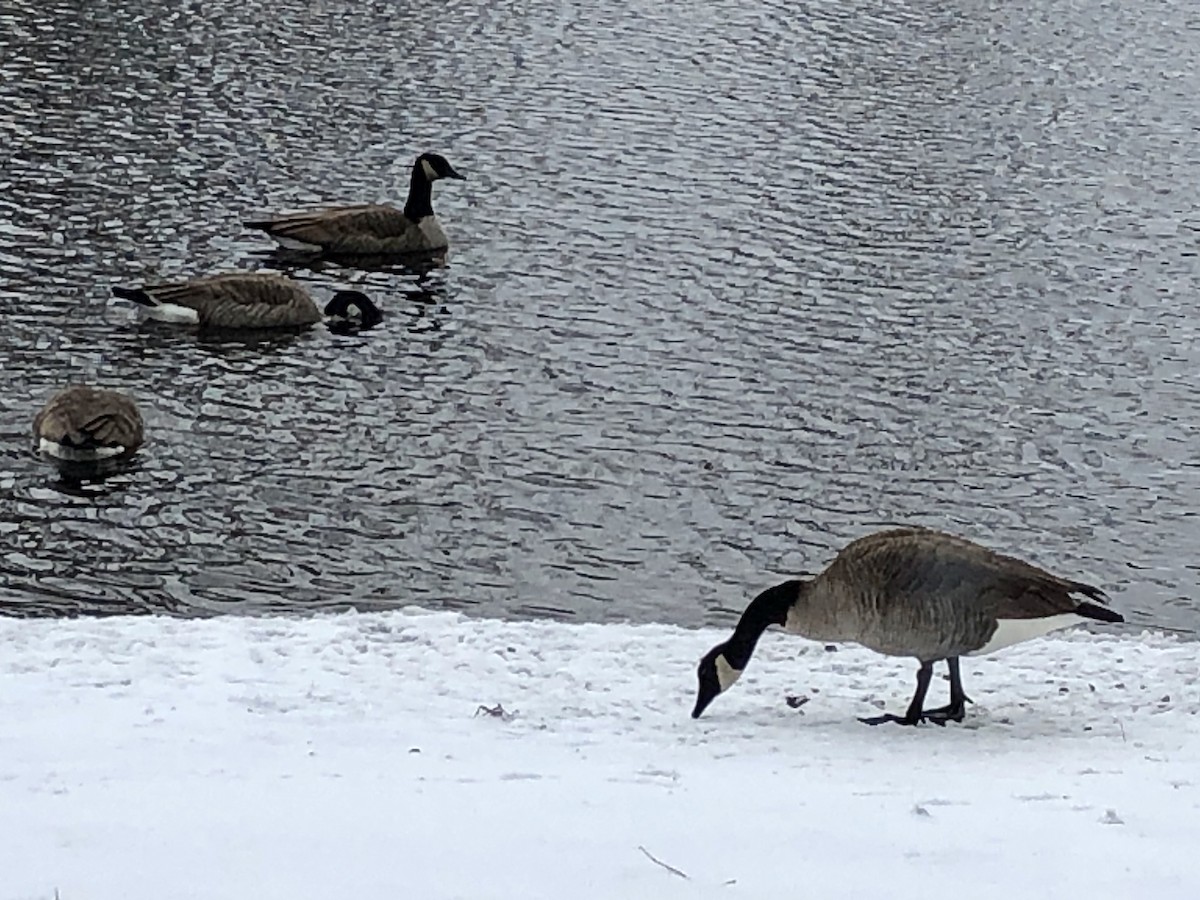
x: 376, y: 229
x: 245, y: 300
x: 82, y: 425
x: 911, y: 592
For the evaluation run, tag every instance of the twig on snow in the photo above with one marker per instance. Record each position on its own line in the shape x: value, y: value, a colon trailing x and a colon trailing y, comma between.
x: 496, y: 712
x: 658, y: 862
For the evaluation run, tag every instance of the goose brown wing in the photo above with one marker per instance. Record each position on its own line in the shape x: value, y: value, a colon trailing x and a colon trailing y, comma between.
x: 120, y: 425
x: 244, y: 287
x: 332, y: 227
x: 82, y: 415
x: 242, y: 300
x: 954, y: 572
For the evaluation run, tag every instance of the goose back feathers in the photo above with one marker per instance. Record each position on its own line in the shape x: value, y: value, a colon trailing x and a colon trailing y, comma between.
x: 930, y: 595
x: 82, y: 424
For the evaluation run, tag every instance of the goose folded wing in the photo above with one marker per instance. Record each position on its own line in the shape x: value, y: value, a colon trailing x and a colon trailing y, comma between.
x: 331, y: 226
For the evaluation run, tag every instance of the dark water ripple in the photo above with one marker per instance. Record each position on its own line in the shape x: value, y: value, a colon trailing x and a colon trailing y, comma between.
x: 731, y: 284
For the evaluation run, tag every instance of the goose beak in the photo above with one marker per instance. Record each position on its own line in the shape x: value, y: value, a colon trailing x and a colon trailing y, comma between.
x: 702, y: 702
x: 452, y: 173
x: 710, y: 682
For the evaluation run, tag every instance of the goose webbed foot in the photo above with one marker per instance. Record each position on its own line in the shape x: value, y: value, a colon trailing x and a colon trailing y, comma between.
x: 905, y: 719
x: 954, y: 711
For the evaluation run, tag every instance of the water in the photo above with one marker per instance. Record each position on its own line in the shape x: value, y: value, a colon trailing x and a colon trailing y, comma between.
x: 730, y: 284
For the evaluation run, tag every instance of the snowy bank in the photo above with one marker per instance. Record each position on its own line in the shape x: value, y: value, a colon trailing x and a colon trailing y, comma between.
x: 351, y: 756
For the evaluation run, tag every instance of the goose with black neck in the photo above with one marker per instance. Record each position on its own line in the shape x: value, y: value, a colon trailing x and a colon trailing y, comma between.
x: 910, y: 592
x: 377, y: 229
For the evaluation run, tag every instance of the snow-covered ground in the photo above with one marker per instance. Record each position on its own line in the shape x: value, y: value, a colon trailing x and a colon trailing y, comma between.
x: 353, y: 757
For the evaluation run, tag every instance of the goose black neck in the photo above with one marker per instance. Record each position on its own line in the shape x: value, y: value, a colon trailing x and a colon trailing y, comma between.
x: 420, y: 195
x: 767, y: 609
x: 369, y: 312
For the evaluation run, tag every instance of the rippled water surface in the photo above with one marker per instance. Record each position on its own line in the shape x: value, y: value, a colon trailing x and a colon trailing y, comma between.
x: 731, y: 283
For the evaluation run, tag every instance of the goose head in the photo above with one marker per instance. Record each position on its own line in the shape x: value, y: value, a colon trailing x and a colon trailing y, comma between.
x: 434, y: 166
x: 724, y: 663
x: 716, y: 675
x: 353, y: 308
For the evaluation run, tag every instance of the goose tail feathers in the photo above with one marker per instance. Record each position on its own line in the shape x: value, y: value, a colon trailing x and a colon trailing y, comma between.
x: 137, y: 295
x: 1098, y: 610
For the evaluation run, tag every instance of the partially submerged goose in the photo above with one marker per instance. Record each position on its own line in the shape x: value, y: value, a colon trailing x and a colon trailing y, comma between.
x: 376, y: 229
x: 911, y: 592
x: 82, y: 425
x: 352, y: 311
x: 243, y: 300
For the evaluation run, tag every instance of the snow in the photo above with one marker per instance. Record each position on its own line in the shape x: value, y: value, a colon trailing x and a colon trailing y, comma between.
x: 352, y: 756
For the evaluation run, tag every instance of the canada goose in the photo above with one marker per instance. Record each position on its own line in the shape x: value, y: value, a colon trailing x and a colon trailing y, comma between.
x: 83, y: 425
x: 246, y: 300
x: 910, y: 592
x: 375, y: 229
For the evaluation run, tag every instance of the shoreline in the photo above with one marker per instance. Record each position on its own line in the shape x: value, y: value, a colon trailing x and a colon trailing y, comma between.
x: 340, y: 754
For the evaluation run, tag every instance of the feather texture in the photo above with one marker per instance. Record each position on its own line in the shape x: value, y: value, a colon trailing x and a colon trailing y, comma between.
x: 82, y: 423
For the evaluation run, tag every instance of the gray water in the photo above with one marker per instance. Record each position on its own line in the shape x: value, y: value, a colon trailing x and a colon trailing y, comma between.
x: 731, y: 283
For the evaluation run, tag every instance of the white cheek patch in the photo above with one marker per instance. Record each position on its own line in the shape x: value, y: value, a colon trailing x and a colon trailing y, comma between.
x: 353, y: 312
x: 726, y: 674
x: 429, y: 170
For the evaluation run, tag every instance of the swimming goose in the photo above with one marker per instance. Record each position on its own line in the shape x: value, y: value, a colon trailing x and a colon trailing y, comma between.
x: 245, y: 300
x: 82, y: 425
x: 376, y: 229
x: 910, y: 592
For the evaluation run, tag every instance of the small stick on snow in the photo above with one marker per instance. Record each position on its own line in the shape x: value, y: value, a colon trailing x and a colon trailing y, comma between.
x: 496, y: 712
x: 650, y: 856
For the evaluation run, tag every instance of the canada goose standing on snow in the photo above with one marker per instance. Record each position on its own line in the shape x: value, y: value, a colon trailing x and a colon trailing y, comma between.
x: 910, y: 592
x: 243, y: 300
x: 82, y: 426
x: 375, y: 229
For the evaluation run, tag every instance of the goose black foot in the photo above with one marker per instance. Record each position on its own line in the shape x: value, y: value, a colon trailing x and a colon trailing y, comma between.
x: 890, y: 717
x: 906, y: 719
x: 955, y: 711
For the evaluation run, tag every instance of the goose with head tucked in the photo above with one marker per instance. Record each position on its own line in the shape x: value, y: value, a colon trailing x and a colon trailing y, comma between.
x: 243, y: 300
x: 911, y: 592
x: 373, y: 229
x: 83, y: 425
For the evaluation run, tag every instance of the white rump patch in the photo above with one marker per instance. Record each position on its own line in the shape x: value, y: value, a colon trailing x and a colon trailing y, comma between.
x: 174, y: 313
x: 429, y: 171
x: 288, y: 243
x: 1014, y: 631
x: 76, y: 454
x: 726, y: 674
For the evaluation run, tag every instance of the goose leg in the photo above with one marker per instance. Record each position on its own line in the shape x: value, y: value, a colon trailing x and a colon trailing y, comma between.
x: 915, y: 713
x: 957, y: 708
